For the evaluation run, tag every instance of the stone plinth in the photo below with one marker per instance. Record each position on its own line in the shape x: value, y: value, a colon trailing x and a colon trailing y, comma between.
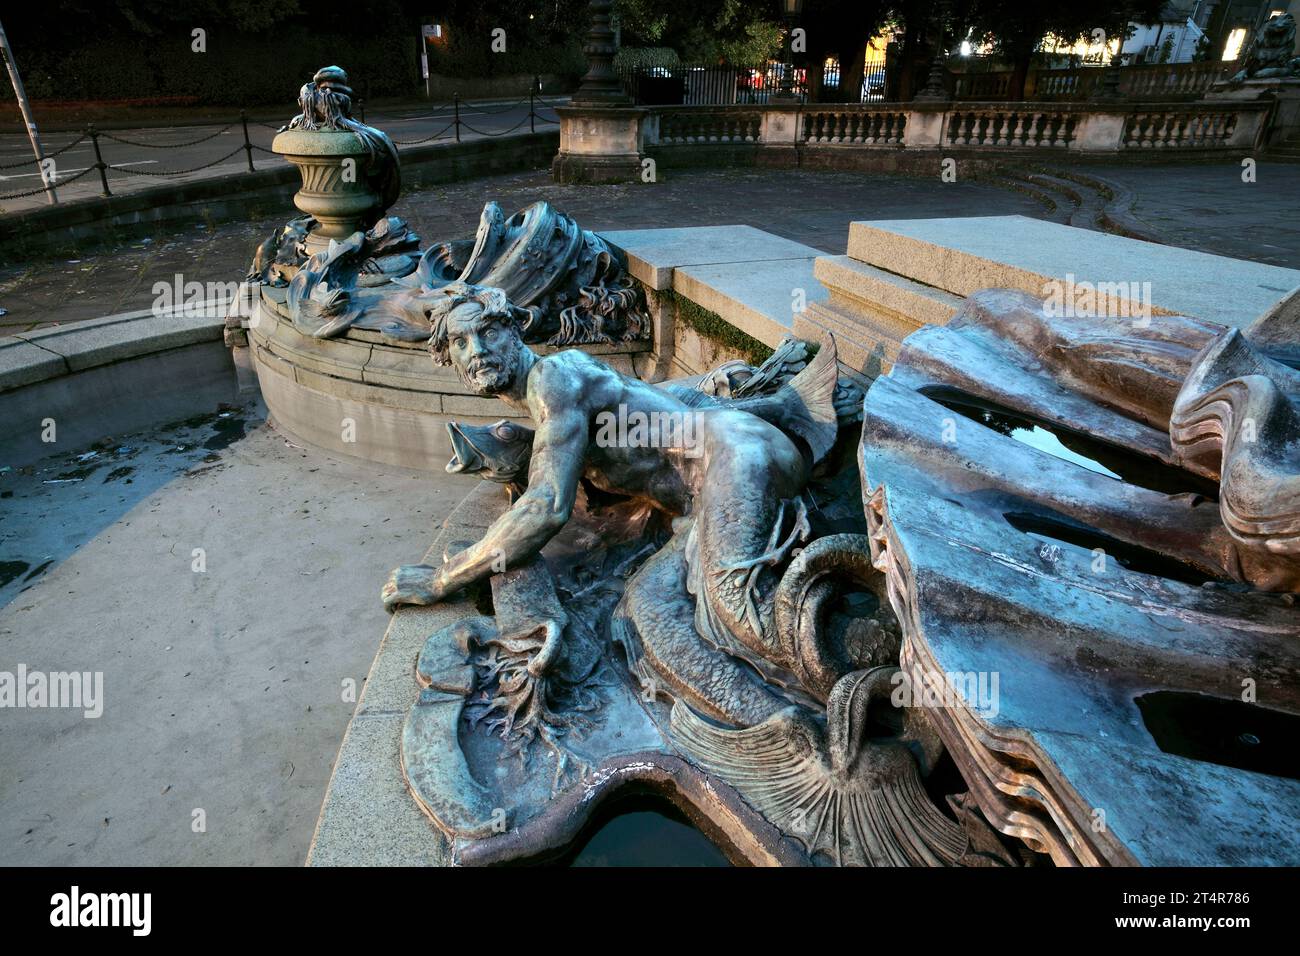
x: 963, y: 255
x: 753, y: 280
x: 1285, y: 91
x: 599, y: 144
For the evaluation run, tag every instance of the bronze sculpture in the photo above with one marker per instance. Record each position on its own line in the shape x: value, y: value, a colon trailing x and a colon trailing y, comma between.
x: 720, y: 619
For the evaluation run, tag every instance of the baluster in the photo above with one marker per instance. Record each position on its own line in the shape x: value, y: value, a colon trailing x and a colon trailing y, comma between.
x: 1178, y: 132
x: 1049, y: 127
x: 1196, y: 135
x: 1162, y: 134
x: 1067, y: 129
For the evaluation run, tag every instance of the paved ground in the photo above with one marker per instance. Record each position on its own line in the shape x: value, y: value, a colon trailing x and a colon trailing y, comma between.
x: 137, y: 157
x: 1210, y: 208
x: 1203, y: 207
x: 811, y: 207
x: 222, y: 689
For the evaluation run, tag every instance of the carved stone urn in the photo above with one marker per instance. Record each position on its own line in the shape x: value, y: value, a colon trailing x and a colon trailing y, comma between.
x: 335, y: 189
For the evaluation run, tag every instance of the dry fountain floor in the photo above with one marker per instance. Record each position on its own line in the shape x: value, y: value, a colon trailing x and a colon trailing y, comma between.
x: 224, y: 688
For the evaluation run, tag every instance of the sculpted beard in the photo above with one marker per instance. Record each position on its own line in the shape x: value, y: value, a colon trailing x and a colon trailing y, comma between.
x: 488, y: 375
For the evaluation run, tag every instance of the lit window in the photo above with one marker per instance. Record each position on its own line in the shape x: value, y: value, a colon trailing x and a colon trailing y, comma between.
x: 1232, y: 49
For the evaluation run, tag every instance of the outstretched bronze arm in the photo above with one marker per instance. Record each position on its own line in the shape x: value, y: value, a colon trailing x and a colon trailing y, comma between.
x: 558, y: 449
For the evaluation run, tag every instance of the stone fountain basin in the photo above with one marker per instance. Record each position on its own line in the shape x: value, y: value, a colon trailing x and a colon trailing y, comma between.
x: 397, y: 399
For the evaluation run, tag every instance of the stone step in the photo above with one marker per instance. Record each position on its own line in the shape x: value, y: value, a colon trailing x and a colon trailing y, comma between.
x: 1087, y: 202
x: 890, y: 299
x: 963, y: 255
x: 1059, y: 206
x: 864, y: 351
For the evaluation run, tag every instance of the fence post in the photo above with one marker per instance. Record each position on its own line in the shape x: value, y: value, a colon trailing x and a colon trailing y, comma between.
x: 455, y: 101
x: 99, y: 160
x: 248, y: 145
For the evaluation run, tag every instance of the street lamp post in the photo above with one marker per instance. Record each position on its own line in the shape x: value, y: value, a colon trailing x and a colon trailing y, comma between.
x: 935, y: 90
x: 790, y: 10
x: 1110, y: 82
x: 600, y: 85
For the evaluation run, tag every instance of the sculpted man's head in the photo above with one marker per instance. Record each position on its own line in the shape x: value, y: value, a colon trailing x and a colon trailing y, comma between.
x: 476, y: 330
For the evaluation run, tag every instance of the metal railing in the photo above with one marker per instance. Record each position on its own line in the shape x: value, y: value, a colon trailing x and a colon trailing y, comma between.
x: 1164, y: 81
x: 711, y: 85
x: 99, y: 139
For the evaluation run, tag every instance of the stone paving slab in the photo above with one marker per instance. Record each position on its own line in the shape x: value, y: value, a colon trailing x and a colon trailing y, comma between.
x: 964, y: 255
x: 653, y: 254
x: 22, y: 363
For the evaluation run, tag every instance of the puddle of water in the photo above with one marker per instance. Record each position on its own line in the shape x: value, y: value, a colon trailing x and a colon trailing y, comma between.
x: 1083, y: 450
x: 1221, y: 731
x: 643, y: 831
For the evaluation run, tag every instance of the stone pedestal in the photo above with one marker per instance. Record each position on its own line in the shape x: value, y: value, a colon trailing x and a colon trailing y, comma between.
x: 1285, y: 90
x: 599, y: 144
x: 334, y: 187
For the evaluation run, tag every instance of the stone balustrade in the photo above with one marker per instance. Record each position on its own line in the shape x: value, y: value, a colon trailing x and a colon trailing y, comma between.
x: 963, y: 126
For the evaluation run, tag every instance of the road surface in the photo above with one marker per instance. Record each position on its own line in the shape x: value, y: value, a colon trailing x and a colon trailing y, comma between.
x: 133, y: 167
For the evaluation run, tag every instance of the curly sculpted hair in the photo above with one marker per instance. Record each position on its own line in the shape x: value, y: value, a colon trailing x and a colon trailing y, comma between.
x: 491, y: 302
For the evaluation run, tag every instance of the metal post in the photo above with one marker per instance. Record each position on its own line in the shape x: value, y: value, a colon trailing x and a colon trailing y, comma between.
x: 248, y: 145
x: 935, y: 90
x: 455, y: 99
x: 99, y: 160
x: 51, y: 196
x: 532, y: 90
x: 600, y: 86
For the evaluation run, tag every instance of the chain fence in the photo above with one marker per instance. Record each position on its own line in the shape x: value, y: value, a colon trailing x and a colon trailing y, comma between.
x: 51, y: 179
